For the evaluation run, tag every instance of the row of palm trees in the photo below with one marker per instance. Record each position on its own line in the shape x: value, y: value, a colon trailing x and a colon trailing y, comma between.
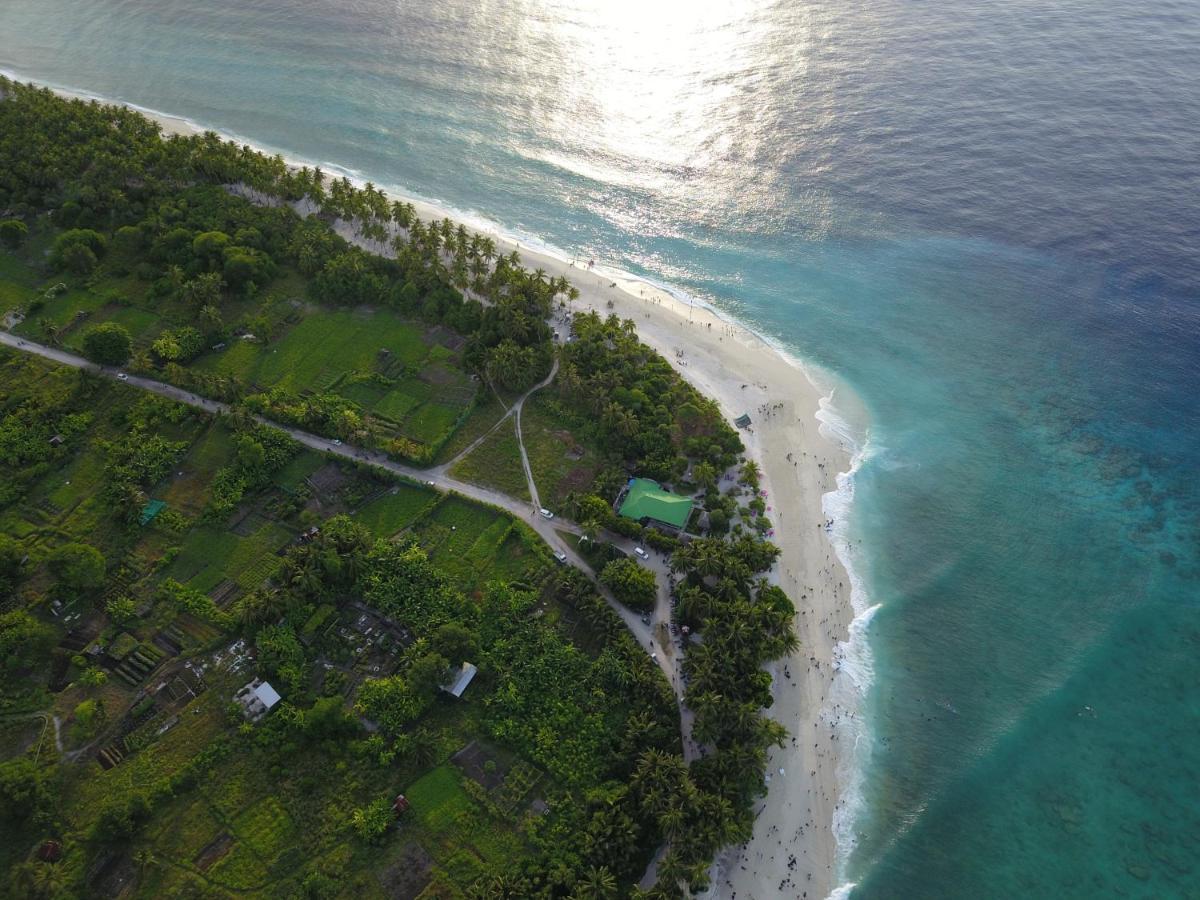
x: 465, y: 259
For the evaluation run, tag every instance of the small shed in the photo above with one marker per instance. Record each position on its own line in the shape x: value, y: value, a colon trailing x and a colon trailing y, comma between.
x: 256, y: 699
x: 456, y: 687
x: 742, y: 421
x: 400, y: 805
x: 57, y: 440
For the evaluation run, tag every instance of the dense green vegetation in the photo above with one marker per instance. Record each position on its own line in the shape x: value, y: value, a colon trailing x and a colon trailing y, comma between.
x: 217, y: 268
x: 199, y: 801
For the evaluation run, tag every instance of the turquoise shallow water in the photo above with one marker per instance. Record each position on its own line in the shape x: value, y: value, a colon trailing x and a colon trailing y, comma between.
x: 980, y: 216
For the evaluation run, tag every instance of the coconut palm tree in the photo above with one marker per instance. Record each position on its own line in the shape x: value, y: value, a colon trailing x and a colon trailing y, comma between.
x: 598, y: 883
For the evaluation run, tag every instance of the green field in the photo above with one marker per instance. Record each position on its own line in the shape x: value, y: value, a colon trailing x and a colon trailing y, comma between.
x: 561, y: 463
x: 392, y: 368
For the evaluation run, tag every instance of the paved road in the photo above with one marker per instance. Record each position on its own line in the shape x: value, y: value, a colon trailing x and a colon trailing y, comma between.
x: 548, y: 530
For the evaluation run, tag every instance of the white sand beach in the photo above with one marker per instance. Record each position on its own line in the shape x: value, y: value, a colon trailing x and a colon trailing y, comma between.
x: 793, y: 850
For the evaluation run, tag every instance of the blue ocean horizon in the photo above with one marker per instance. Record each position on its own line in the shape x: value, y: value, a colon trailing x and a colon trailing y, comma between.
x: 979, y: 217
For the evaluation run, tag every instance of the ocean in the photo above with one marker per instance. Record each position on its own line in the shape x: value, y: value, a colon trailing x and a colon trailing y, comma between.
x: 979, y: 217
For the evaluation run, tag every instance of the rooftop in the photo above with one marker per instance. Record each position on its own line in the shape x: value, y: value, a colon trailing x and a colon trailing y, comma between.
x: 461, y: 680
x: 266, y: 694
x: 645, y: 499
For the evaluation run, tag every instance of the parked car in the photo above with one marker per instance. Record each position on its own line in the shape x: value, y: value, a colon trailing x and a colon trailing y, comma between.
x: 640, y: 553
x: 545, y: 513
x: 560, y: 556
x: 122, y: 376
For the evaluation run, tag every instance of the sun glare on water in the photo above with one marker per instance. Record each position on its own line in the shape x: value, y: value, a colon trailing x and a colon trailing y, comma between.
x: 648, y: 90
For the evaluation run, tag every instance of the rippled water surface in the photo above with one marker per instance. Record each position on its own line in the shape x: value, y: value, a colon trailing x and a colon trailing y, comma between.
x: 980, y: 215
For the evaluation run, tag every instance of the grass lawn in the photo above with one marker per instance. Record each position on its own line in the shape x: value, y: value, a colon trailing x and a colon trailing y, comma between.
x: 299, y: 467
x: 266, y: 827
x: 189, y: 492
x: 61, y: 311
x: 496, y: 463
x: 395, y: 510
x: 516, y: 560
x: 18, y: 281
x: 239, y: 869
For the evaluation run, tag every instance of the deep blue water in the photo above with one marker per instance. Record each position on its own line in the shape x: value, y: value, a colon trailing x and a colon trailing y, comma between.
x: 982, y: 216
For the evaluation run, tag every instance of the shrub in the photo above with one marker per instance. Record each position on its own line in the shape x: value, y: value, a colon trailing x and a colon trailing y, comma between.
x: 13, y: 233
x: 633, y: 585
x: 108, y: 344
x: 79, y: 567
x: 373, y: 820
x: 78, y: 250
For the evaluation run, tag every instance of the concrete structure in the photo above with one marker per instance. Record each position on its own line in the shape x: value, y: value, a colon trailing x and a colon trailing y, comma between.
x: 256, y: 699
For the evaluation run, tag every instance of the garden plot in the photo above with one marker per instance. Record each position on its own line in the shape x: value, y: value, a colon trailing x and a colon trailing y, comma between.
x: 210, y: 555
x: 449, y: 823
x: 395, y: 510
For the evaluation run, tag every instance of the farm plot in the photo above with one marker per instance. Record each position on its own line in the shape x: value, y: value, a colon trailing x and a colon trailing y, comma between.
x: 397, y: 509
x: 209, y: 555
x: 463, y: 539
x: 393, y: 369
x: 451, y: 824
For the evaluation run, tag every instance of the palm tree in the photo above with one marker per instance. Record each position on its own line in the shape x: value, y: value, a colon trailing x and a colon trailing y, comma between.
x: 425, y: 747
x: 144, y: 858
x: 596, y: 884
x: 50, y: 331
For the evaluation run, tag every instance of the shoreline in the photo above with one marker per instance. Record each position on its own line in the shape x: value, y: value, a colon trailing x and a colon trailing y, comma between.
x: 801, y: 458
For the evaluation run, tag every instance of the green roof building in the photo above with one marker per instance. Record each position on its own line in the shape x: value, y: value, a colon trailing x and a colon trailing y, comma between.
x: 645, y: 499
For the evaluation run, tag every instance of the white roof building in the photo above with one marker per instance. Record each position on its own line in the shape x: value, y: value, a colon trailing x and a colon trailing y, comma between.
x: 461, y: 680
x: 256, y: 699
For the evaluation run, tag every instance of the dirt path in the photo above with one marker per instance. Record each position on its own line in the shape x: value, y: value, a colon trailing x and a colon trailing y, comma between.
x: 517, y: 408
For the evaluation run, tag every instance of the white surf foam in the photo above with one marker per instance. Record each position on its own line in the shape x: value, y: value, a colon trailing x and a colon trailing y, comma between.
x: 852, y: 658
